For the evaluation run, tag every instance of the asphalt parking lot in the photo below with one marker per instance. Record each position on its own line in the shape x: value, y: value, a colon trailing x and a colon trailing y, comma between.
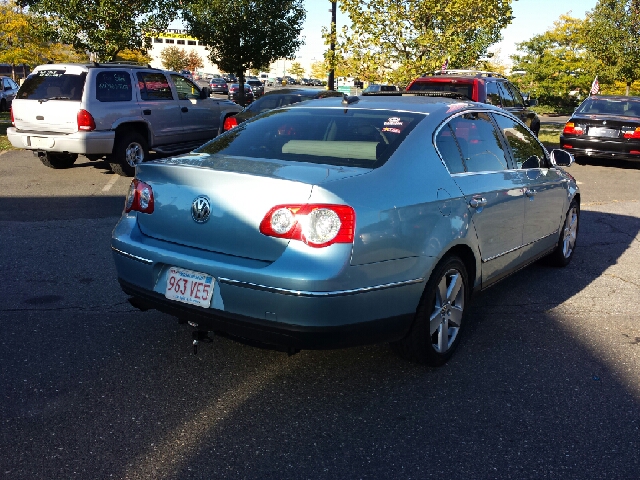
x: 545, y: 383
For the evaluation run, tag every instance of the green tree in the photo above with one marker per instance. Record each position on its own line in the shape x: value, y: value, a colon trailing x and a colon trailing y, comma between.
x: 246, y: 34
x: 20, y: 44
x: 612, y: 36
x: 555, y: 63
x: 405, y: 38
x: 173, y: 58
x: 104, y: 27
x: 296, y: 70
x: 319, y: 70
x: 138, y: 56
x: 193, y: 61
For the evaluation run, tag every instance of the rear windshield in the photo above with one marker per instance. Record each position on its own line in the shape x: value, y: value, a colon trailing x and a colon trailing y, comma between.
x: 465, y: 89
x: 333, y: 136
x: 626, y: 108
x: 53, y: 85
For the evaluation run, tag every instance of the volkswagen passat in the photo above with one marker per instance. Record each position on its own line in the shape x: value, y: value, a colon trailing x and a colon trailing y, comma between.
x: 346, y: 221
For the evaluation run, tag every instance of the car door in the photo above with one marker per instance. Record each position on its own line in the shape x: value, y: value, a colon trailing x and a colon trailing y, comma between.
x: 492, y: 190
x: 160, y: 107
x: 200, y: 116
x: 545, y: 188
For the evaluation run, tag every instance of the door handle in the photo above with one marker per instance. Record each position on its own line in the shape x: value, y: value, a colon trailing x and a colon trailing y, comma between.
x: 184, y: 109
x: 146, y: 112
x: 530, y: 193
x: 478, y: 202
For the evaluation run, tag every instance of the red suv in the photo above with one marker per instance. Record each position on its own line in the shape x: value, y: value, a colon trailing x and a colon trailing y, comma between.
x: 479, y: 86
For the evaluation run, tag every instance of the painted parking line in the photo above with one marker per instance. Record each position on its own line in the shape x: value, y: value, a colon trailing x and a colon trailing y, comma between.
x: 110, y: 183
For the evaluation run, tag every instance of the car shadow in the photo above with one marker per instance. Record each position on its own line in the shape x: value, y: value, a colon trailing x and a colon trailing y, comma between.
x: 540, y: 387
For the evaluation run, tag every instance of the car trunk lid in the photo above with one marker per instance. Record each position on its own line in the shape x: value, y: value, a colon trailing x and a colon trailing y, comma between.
x: 49, y: 99
x: 240, y: 193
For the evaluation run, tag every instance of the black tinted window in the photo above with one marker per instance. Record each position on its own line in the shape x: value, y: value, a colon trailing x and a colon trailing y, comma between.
x: 517, y: 98
x: 479, y: 143
x: 507, y: 97
x: 359, y: 138
x: 154, y: 86
x: 449, y: 151
x: 629, y: 108
x: 465, y: 89
x: 53, y: 85
x: 493, y: 95
x: 113, y: 86
x: 526, y: 151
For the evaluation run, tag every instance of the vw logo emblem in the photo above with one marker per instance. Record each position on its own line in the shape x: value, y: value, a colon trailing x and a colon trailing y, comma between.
x: 201, y: 209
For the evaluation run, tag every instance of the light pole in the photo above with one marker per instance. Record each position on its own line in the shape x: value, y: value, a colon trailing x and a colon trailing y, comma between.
x: 334, y: 4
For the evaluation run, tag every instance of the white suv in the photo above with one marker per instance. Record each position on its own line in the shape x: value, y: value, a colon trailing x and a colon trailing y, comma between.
x: 115, y: 110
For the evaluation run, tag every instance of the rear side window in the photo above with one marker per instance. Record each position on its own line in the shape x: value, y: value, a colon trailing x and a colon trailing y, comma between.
x: 113, y: 86
x: 479, y: 143
x: 53, y: 85
x: 154, y: 86
x: 465, y: 89
x: 358, y: 138
x: 449, y: 150
x: 493, y: 95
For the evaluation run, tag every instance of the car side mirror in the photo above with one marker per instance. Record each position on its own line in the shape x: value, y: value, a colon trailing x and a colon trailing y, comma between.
x: 205, y: 92
x: 531, y: 102
x: 561, y: 158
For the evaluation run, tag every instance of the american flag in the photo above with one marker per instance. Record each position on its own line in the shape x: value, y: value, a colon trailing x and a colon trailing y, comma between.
x: 595, y: 86
x: 445, y: 65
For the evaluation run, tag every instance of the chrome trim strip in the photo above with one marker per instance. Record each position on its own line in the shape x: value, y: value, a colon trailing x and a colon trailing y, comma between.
x: 132, y: 257
x: 484, y: 260
x: 302, y: 293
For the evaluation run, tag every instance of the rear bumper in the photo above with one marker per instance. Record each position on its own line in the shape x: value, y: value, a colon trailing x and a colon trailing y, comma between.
x: 598, y: 147
x: 77, y: 142
x: 299, y: 302
x: 267, y: 333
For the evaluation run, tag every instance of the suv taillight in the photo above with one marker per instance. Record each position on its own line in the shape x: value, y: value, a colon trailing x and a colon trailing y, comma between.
x: 85, y: 121
x: 571, y: 129
x: 317, y: 225
x: 139, y: 198
x: 11, y: 114
x: 229, y: 123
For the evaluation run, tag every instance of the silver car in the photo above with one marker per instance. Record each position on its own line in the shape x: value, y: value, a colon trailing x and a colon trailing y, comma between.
x: 340, y: 222
x: 8, y: 90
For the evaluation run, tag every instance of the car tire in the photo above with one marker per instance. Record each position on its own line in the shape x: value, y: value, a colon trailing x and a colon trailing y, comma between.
x: 562, y: 255
x: 129, y: 150
x: 58, y: 160
x: 441, y: 307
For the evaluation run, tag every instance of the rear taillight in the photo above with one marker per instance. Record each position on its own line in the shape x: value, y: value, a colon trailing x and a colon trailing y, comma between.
x: 229, y: 123
x: 85, y: 121
x: 139, y: 198
x: 317, y: 225
x: 571, y: 129
x: 632, y: 133
x: 13, y: 122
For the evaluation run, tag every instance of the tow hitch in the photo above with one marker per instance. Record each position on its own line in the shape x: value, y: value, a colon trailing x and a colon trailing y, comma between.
x: 199, y: 336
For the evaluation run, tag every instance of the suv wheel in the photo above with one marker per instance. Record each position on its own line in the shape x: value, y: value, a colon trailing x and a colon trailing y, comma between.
x: 57, y: 160
x: 129, y: 150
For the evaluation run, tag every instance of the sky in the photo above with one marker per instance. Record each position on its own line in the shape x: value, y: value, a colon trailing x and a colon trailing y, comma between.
x: 532, y: 17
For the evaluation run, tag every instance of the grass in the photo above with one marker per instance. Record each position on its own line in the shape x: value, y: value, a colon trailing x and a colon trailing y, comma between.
x: 5, y: 122
x: 550, y: 135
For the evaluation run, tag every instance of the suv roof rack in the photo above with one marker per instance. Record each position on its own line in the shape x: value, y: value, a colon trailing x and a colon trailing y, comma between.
x: 476, y: 73
x: 121, y: 63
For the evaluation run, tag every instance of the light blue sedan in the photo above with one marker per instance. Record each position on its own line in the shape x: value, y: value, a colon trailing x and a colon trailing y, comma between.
x: 340, y: 222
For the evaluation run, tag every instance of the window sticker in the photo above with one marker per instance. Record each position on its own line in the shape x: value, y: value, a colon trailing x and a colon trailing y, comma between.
x: 393, y: 121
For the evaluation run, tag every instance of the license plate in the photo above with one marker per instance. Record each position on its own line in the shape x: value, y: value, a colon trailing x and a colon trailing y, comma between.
x: 190, y: 287
x: 603, y: 132
x: 42, y: 142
